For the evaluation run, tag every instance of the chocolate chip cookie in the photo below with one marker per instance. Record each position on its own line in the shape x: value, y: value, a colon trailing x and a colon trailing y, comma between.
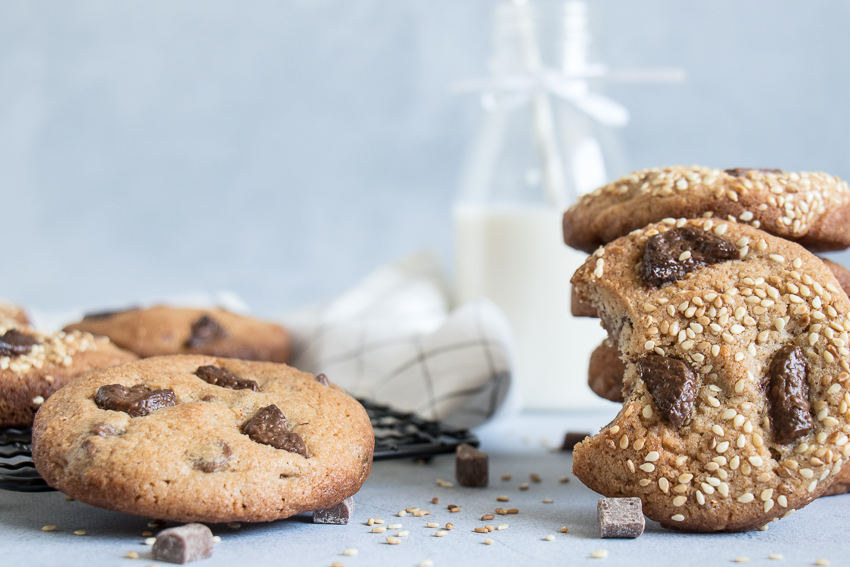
x: 11, y: 315
x: 737, y: 379
x: 203, y: 439
x: 810, y: 208
x: 167, y: 330
x: 34, y: 365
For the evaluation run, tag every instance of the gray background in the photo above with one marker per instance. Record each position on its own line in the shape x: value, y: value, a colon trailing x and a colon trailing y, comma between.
x: 282, y: 150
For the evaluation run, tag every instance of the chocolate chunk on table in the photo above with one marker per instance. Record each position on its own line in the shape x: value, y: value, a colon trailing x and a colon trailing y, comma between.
x: 183, y: 544
x: 573, y: 438
x: 471, y: 466
x: 339, y: 514
x: 620, y: 517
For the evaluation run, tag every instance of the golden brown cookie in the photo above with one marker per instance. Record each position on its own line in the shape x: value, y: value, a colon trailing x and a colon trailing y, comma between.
x: 605, y: 372
x: 810, y: 208
x: 34, y: 365
x: 737, y: 374
x: 171, y: 437
x: 165, y: 330
x: 12, y: 315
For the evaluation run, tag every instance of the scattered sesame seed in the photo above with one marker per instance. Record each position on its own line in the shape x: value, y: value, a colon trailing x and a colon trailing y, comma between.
x: 502, y: 499
x: 234, y: 525
x: 488, y: 541
x: 501, y: 527
x: 449, y: 526
x: 677, y: 518
x: 821, y: 561
x: 48, y: 528
x: 393, y: 540
x: 775, y: 556
x: 435, y: 500
x: 150, y: 541
x: 147, y: 534
x: 401, y: 513
x: 79, y: 532
x: 379, y: 529
x: 506, y: 477
x: 427, y: 563
x: 742, y: 559
x: 547, y: 500
x: 564, y: 479
x: 403, y: 533
x: 217, y: 539
x: 38, y: 400
x: 337, y: 564
x: 131, y: 555
x: 481, y: 530
x: 441, y: 533
x: 523, y: 486
x: 564, y: 529
x: 599, y: 554
x: 394, y: 526
x: 549, y: 537
x: 513, y: 510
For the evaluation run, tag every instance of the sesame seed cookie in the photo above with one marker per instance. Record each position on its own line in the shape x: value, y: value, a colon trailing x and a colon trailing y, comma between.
x: 34, y: 365
x: 165, y: 330
x: 203, y: 439
x: 810, y: 208
x: 737, y: 369
x: 12, y: 315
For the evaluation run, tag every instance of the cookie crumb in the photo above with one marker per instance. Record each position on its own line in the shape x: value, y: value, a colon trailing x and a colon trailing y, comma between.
x: 350, y: 552
x: 599, y: 554
x: 549, y: 537
x: 48, y: 528
x: 79, y: 532
x: 488, y: 541
x: 131, y: 555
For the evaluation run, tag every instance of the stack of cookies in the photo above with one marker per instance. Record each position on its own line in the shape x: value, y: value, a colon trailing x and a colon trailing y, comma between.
x: 728, y: 341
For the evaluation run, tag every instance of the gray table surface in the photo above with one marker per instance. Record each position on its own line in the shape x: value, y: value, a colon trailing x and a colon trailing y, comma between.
x: 518, y: 446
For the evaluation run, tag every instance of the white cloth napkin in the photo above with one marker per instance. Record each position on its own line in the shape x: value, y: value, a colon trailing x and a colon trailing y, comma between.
x: 393, y: 339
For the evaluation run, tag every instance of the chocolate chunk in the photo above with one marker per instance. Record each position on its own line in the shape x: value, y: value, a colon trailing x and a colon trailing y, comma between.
x: 104, y: 430
x: 620, y: 517
x: 268, y: 426
x: 742, y: 171
x: 788, y: 393
x: 100, y: 315
x: 663, y: 260
x: 221, y: 377
x: 672, y: 384
x: 183, y: 544
x: 212, y: 457
x: 16, y: 343
x: 471, y: 466
x: 206, y: 330
x: 322, y: 379
x: 572, y: 438
x: 339, y: 514
x: 137, y: 401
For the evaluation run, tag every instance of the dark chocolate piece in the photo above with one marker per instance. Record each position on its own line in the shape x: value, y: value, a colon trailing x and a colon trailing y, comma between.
x: 471, y: 466
x: 268, y: 426
x: 221, y: 377
x: 742, y: 171
x: 206, y: 330
x: 663, y: 260
x: 183, y: 544
x: 620, y: 517
x: 100, y: 315
x: 339, y: 514
x: 788, y: 393
x: 16, y: 343
x: 137, y: 401
x: 322, y: 379
x: 211, y: 457
x: 572, y: 438
x: 672, y: 384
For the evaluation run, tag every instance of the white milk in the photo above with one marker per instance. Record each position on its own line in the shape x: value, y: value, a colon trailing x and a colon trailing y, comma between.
x: 515, y: 255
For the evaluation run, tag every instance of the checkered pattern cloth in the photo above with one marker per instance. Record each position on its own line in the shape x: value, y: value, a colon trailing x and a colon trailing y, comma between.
x: 393, y: 339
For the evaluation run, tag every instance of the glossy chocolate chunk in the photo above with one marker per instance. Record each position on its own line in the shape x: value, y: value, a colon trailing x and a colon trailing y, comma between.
x: 741, y: 171
x: 183, y: 544
x: 788, y: 393
x: 322, y: 379
x: 671, y: 255
x: 268, y: 426
x: 206, y: 330
x: 221, y: 377
x: 620, y: 517
x: 137, y: 401
x: 16, y: 343
x: 672, y: 384
x: 471, y: 466
x: 339, y: 514
x: 212, y: 457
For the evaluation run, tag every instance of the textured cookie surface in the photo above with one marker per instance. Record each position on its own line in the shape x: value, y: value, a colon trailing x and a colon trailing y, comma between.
x: 605, y: 372
x: 736, y: 380
x: 165, y: 330
x: 12, y: 315
x: 812, y: 209
x: 34, y: 365
x: 204, y: 452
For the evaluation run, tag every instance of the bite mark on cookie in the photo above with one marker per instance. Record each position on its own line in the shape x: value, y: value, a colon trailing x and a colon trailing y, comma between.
x: 137, y: 401
x: 268, y: 426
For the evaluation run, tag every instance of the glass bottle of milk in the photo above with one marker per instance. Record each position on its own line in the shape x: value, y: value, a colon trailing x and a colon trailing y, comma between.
x: 509, y: 246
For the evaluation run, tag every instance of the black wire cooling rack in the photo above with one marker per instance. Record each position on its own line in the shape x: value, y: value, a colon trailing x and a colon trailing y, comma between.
x: 398, y: 435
